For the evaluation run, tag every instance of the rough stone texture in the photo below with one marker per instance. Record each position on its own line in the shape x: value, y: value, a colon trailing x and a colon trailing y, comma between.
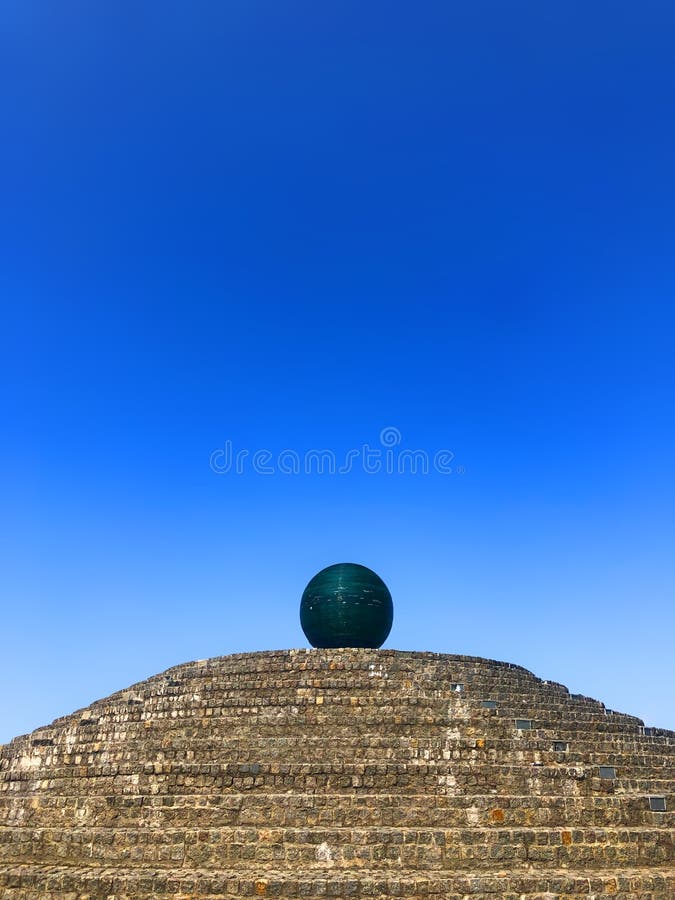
x: 338, y: 773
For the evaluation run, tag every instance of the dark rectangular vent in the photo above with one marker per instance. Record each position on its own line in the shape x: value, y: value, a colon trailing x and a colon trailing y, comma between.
x: 488, y: 704
x: 607, y: 772
x: 657, y: 804
x: 560, y: 746
x: 523, y: 724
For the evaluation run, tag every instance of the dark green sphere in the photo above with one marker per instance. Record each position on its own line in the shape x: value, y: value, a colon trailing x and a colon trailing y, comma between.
x: 346, y: 605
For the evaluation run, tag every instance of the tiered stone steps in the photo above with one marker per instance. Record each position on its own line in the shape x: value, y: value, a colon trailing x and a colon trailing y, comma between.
x: 354, y: 773
x: 55, y: 883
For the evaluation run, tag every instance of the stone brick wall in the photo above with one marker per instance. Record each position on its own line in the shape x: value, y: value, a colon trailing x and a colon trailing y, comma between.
x: 339, y: 773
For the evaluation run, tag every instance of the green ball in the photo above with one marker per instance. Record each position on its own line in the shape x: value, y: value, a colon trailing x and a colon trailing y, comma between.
x: 346, y: 605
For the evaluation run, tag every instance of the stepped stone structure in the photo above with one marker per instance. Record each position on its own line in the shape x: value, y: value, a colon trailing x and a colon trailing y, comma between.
x: 339, y: 773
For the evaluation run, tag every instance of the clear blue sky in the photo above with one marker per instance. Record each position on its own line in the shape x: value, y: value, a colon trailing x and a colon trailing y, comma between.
x: 288, y: 226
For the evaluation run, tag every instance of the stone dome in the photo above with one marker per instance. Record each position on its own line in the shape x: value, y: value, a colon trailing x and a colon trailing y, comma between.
x: 339, y: 773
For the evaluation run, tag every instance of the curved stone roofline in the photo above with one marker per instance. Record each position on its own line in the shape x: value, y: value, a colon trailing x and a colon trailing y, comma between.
x: 349, y: 651
x: 212, y: 664
x: 196, y: 664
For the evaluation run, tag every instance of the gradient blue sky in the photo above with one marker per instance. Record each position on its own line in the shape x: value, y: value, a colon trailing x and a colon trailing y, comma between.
x: 289, y: 225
